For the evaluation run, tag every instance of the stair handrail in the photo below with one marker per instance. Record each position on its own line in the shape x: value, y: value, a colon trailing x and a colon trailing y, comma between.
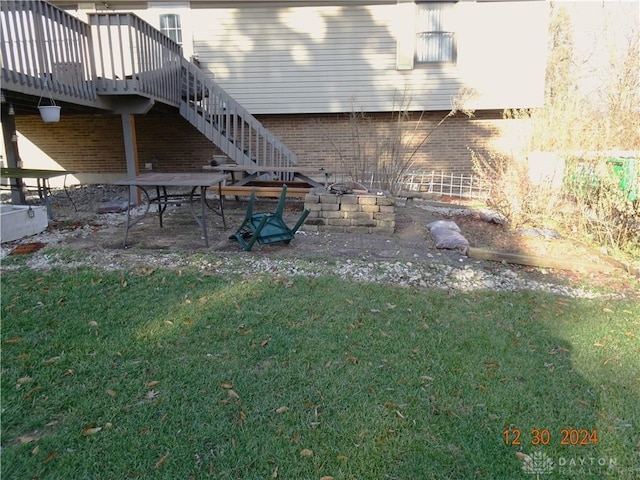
x: 218, y: 115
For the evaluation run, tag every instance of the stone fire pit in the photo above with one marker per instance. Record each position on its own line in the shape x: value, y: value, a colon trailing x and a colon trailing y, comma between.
x: 351, y: 210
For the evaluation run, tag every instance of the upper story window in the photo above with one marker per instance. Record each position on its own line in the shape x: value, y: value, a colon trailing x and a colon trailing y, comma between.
x: 170, y: 26
x: 435, y: 38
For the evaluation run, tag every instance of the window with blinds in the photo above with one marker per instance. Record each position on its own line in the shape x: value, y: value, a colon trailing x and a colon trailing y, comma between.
x: 170, y: 26
x: 435, y: 39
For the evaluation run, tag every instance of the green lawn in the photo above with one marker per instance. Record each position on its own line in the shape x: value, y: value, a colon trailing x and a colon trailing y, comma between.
x: 180, y: 375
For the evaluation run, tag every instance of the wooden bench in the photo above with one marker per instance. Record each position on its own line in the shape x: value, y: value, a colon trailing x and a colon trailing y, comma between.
x: 264, y: 191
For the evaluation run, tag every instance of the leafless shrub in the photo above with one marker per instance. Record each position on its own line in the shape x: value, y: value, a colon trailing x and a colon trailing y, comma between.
x: 513, y: 194
x: 379, y: 155
x: 591, y: 203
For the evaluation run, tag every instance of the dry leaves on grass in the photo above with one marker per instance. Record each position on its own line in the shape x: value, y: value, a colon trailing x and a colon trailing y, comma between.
x: 50, y: 457
x: 162, y: 460
x: 90, y: 429
x: 51, y: 360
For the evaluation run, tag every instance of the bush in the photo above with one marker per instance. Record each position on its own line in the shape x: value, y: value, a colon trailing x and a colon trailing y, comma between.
x: 513, y: 194
x: 590, y: 204
x: 606, y: 208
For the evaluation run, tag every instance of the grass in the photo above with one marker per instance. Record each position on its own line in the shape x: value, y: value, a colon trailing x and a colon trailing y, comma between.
x: 164, y: 374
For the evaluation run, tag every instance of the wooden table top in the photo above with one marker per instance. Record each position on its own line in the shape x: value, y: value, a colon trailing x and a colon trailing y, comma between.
x: 32, y: 173
x: 232, y: 167
x: 159, y: 179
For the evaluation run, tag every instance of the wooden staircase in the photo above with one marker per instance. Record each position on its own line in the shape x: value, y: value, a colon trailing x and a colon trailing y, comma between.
x: 227, y: 124
x: 118, y: 63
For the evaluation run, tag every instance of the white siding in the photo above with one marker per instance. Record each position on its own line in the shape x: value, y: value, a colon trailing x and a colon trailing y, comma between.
x: 322, y: 59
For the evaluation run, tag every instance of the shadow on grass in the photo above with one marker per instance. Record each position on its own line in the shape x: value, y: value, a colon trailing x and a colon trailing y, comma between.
x: 165, y: 374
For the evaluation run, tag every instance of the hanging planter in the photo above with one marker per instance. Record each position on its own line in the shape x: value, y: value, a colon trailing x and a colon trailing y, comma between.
x: 49, y: 113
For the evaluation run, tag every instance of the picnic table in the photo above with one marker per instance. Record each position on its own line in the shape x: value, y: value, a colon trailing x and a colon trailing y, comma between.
x: 269, y: 180
x: 42, y: 177
x: 197, y: 183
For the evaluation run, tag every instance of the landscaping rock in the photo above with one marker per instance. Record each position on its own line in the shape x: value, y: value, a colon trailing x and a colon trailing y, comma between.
x: 492, y: 216
x: 115, y: 206
x: 449, y: 239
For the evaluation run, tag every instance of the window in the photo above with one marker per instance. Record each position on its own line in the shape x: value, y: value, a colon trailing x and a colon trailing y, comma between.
x: 435, y: 39
x: 170, y: 26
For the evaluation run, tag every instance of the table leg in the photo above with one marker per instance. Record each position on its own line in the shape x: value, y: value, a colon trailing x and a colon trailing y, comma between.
x: 203, y: 202
x: 202, y: 221
x: 126, y: 231
x: 233, y: 180
x: 224, y: 222
x: 66, y: 191
x: 43, y: 193
x: 129, y: 222
x: 221, y: 203
x: 162, y: 200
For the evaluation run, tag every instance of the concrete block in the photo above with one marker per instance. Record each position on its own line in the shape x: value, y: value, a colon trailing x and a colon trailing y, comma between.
x: 330, y: 207
x: 386, y: 224
x: 17, y: 222
x: 384, y: 216
x: 339, y: 221
x: 367, y: 200
x: 364, y: 223
x: 349, y: 207
x: 359, y: 215
x: 370, y: 208
x: 386, y: 201
x: 315, y: 221
x: 348, y: 199
x: 328, y: 199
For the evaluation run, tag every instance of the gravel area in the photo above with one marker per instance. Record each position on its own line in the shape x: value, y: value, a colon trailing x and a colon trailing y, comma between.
x: 408, y: 258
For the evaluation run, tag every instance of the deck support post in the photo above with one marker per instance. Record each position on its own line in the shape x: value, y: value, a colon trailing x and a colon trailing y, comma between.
x: 131, y: 154
x: 10, y: 138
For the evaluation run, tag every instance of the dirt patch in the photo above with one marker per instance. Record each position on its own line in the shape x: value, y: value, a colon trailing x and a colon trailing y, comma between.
x: 86, y: 230
x: 26, y: 248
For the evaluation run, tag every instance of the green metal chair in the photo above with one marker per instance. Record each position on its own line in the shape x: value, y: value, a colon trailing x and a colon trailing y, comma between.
x: 265, y: 228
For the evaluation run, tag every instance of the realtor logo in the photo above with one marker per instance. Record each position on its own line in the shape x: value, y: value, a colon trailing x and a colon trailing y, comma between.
x: 538, y: 463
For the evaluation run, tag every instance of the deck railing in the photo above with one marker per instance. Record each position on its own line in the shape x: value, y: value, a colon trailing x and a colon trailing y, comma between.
x: 45, y: 51
x: 131, y: 56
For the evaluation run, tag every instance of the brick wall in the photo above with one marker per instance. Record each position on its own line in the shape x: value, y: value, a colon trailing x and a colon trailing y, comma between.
x: 94, y: 143
x: 331, y: 140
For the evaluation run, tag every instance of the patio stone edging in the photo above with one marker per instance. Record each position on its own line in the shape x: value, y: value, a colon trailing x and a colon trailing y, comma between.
x: 349, y: 213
